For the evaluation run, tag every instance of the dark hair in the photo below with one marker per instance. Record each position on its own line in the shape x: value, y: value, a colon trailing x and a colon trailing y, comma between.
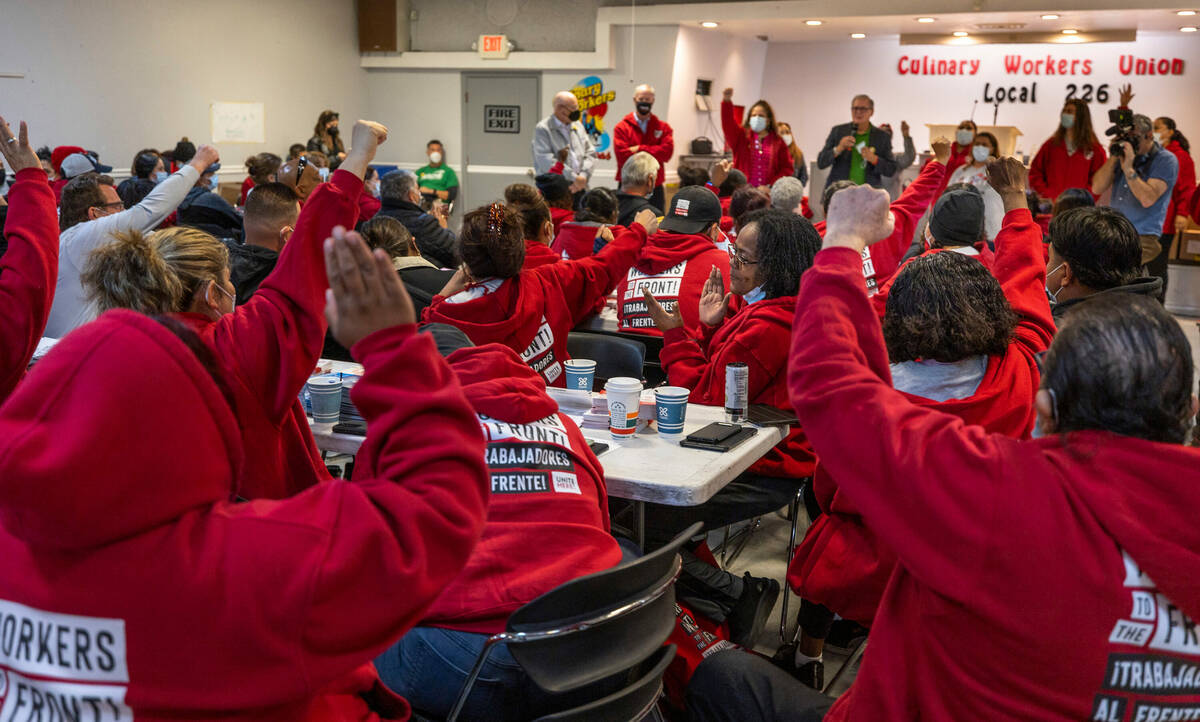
x: 1084, y: 134
x: 1073, y: 198
x: 992, y: 138
x: 744, y: 200
x: 491, y: 242
x: 787, y: 245
x: 770, y: 115
x: 322, y: 119
x: 690, y: 175
x: 44, y: 153
x: 736, y: 179
x: 317, y: 158
x: 185, y: 150
x: 271, y: 205
x: 295, y: 150
x: 435, y: 140
x: 1175, y: 134
x: 599, y: 205
x: 968, y: 121
x: 946, y: 307
x: 1121, y: 363
x: 262, y: 166
x: 144, y: 163
x: 78, y: 195
x: 521, y: 193
x: 832, y: 188
x: 1101, y: 245
x: 389, y: 234
x: 534, y: 216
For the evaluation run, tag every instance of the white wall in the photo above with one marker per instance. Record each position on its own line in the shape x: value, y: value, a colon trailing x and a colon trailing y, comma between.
x: 115, y: 77
x: 417, y: 106
x: 870, y: 66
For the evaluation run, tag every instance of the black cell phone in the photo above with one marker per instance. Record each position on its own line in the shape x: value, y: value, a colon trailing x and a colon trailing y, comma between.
x: 715, y: 432
x: 597, y: 447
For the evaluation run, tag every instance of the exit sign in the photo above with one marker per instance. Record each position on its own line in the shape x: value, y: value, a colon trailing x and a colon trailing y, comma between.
x: 493, y: 46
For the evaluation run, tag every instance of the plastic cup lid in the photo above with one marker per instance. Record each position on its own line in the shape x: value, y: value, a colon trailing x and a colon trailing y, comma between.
x: 324, y: 380
x: 623, y: 383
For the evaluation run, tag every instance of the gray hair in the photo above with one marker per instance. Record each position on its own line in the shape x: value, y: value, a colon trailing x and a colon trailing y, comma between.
x: 786, y: 194
x: 864, y: 97
x: 396, y: 186
x: 639, y: 170
x: 1143, y: 124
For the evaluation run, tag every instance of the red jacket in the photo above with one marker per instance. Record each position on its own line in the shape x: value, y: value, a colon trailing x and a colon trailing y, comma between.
x: 841, y: 563
x: 1046, y: 579
x: 559, y: 216
x: 674, y: 266
x: 575, y: 240
x: 881, y: 260
x: 1053, y: 170
x: 28, y: 273
x: 658, y: 141
x: 368, y: 206
x: 757, y: 335
x: 538, y: 254
x: 1185, y: 184
x: 123, y: 551
x: 247, y: 184
x: 547, y: 517
x: 741, y: 142
x: 269, y: 347
x: 57, y: 186
x: 533, y: 312
x: 879, y: 301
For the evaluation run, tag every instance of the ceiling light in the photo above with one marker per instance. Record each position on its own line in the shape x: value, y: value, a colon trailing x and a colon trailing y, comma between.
x: 1069, y: 31
x: 814, y: 23
x: 1186, y: 12
x: 858, y: 36
x: 1189, y: 29
x: 960, y: 33
x: 1050, y: 16
x: 926, y: 20
x: 708, y: 24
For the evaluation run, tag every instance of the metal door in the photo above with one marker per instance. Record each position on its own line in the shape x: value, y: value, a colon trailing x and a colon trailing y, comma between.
x: 499, y: 113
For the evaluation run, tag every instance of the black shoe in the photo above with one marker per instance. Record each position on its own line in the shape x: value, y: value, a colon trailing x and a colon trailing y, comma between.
x: 844, y: 634
x: 749, y: 614
x: 811, y: 674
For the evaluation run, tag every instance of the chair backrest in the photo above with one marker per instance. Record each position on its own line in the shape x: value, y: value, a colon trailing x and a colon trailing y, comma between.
x: 629, y: 703
x: 598, y: 625
x: 614, y: 356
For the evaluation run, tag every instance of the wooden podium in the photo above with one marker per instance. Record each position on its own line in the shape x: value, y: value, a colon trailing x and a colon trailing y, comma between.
x: 1007, y: 135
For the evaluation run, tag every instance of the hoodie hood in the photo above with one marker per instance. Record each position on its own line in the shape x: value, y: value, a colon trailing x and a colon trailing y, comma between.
x: 510, y: 315
x: 498, y: 384
x: 119, y: 429
x: 576, y: 239
x: 665, y: 249
x: 538, y: 254
x: 1144, y: 494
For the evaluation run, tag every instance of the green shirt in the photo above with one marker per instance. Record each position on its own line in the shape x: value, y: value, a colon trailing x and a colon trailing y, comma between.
x: 858, y: 166
x: 441, y: 178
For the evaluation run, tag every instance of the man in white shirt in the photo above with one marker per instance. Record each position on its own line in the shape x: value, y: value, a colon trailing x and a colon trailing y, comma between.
x: 91, y: 212
x: 562, y: 130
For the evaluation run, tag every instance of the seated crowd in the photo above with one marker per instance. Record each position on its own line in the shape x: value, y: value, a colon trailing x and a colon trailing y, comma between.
x: 993, y: 432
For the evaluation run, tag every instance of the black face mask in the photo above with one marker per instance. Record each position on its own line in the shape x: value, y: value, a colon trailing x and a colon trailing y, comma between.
x: 574, y: 116
x: 644, y: 108
x: 333, y: 130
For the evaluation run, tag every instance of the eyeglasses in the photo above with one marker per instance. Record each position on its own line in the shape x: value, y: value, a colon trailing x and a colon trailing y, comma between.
x: 738, y: 261
x: 301, y: 164
x: 860, y: 108
x: 114, y: 206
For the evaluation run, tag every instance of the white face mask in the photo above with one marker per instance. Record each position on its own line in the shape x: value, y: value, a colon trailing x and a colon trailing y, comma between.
x: 758, y: 124
x: 1053, y: 296
x: 964, y: 136
x: 980, y: 153
x: 323, y: 173
x: 787, y: 139
x: 1068, y: 120
x: 1161, y: 138
x: 435, y: 157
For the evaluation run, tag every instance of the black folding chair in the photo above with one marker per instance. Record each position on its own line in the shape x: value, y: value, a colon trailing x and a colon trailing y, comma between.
x: 592, y: 628
x: 614, y: 356
x: 631, y: 703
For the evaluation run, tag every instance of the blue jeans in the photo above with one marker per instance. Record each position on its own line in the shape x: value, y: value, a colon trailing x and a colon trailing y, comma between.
x: 429, y: 665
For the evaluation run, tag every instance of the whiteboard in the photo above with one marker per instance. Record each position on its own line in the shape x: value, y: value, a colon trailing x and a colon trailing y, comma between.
x: 238, y: 123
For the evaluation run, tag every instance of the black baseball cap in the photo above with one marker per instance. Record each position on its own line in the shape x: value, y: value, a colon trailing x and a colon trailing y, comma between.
x: 957, y: 218
x: 692, y: 209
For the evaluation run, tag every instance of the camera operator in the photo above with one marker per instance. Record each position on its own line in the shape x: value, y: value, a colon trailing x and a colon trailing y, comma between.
x: 1141, y: 175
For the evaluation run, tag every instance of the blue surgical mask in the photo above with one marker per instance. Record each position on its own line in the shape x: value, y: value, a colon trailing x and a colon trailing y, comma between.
x: 964, y: 136
x: 758, y: 124
x: 1053, y: 296
x: 161, y: 176
x: 980, y: 153
x: 213, y: 183
x: 755, y: 295
x: 1068, y: 120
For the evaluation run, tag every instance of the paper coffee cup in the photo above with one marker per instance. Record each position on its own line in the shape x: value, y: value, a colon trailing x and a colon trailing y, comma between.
x: 670, y: 409
x: 624, y: 400
x: 581, y: 373
x: 325, y: 397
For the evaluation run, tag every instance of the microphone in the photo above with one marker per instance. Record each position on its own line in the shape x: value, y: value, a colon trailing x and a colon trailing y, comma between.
x: 996, y: 112
x: 973, y: 107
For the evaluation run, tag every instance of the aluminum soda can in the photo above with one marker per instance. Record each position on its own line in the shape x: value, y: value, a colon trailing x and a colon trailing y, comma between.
x: 737, y: 382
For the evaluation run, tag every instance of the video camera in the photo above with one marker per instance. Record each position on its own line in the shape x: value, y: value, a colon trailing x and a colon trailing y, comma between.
x: 1122, y: 129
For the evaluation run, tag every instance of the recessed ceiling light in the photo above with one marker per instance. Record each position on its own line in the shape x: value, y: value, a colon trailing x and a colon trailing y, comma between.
x: 1186, y: 12
x: 812, y: 22
x: 1069, y: 31
x: 960, y: 33
x: 1050, y: 16
x: 708, y: 24
x: 1189, y: 29
x: 858, y: 36
x: 926, y: 20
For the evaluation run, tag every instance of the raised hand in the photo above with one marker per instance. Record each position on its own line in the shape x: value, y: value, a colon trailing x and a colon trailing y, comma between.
x: 665, y: 320
x: 606, y: 233
x: 646, y: 219
x: 17, y: 150
x: 365, y: 293
x: 205, y: 156
x: 727, y: 94
x: 941, y: 149
x: 1126, y: 91
x: 1007, y: 175
x: 719, y: 171
x: 904, y: 128
x: 858, y: 217
x: 713, y: 299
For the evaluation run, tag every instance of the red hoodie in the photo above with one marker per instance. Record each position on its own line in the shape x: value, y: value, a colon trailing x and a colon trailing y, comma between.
x: 247, y: 185
x: 880, y: 260
x: 575, y: 240
x: 658, y: 141
x: 757, y: 335
x: 538, y: 254
x: 547, y: 517
x: 269, y: 347
x: 130, y: 580
x: 674, y: 266
x: 1053, y: 170
x: 1181, y: 192
x: 841, y: 563
x: 741, y: 142
x: 28, y: 273
x: 1024, y: 586
x: 559, y: 216
x: 533, y: 312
